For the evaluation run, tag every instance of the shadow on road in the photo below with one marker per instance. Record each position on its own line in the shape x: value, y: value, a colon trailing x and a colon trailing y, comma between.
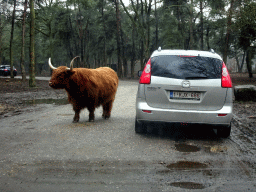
x: 180, y: 132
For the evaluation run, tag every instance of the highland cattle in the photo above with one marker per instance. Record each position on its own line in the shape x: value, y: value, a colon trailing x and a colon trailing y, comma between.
x: 86, y: 88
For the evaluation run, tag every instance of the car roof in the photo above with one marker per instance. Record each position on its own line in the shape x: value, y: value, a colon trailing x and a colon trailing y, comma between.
x: 6, y: 66
x: 211, y: 54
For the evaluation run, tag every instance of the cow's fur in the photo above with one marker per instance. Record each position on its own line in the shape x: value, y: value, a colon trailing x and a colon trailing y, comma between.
x: 87, y: 88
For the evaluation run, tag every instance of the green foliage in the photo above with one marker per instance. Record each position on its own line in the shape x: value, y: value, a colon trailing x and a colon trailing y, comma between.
x: 217, y: 6
x: 247, y: 25
x: 83, y: 3
x: 88, y: 28
x: 170, y: 36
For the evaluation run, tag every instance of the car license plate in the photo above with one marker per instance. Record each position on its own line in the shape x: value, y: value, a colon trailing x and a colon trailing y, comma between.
x: 185, y: 95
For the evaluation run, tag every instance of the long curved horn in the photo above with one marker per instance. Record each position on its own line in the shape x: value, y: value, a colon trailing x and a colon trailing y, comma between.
x: 50, y: 64
x: 72, y: 63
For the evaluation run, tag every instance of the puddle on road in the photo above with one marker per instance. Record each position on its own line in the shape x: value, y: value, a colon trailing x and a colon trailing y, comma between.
x: 211, y: 173
x: 46, y: 101
x: 190, y: 166
x: 188, y: 185
x: 216, y: 149
x: 186, y: 148
x: 187, y: 165
x: 183, y: 165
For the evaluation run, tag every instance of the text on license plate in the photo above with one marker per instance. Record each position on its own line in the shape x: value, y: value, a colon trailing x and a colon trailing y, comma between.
x: 184, y: 95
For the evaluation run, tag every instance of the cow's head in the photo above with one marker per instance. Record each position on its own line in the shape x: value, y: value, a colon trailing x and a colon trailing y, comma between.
x: 60, y: 76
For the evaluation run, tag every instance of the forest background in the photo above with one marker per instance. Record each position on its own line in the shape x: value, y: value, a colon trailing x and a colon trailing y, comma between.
x: 111, y: 33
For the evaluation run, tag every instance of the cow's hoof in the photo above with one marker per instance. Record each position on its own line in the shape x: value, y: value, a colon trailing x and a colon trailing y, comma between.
x: 91, y: 119
x: 105, y: 116
x: 75, y: 120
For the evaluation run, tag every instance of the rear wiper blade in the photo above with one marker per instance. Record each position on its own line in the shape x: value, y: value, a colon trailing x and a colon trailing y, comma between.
x: 196, y: 77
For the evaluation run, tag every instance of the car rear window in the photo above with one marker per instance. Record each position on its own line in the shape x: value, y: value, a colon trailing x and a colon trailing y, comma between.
x: 186, y: 67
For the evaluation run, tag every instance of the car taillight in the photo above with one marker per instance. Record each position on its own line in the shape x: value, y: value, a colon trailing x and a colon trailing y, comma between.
x: 145, y: 77
x: 222, y: 115
x: 147, y: 111
x: 225, y: 77
x: 5, y: 70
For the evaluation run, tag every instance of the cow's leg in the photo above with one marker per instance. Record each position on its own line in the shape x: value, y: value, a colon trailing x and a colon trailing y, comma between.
x: 91, y: 113
x: 107, y: 109
x: 77, y: 116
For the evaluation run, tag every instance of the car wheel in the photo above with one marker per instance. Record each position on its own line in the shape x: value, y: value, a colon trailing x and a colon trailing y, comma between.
x: 139, y: 127
x: 224, y: 131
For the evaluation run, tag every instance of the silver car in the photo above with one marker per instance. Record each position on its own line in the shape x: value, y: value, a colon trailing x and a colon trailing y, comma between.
x: 186, y: 87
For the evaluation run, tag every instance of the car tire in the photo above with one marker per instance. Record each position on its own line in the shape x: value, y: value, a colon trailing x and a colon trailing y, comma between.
x: 140, y: 127
x: 224, y: 131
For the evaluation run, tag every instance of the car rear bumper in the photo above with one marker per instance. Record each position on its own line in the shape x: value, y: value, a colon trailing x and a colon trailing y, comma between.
x: 145, y: 113
x: 8, y: 73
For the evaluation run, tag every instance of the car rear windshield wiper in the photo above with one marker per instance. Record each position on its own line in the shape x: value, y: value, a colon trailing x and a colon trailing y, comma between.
x: 196, y: 77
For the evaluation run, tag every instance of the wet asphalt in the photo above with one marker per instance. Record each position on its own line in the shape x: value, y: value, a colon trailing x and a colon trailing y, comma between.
x: 44, y: 151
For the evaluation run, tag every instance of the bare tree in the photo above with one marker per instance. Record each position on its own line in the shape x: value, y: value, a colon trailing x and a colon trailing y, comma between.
x: 202, y: 26
x: 142, y: 24
x: 156, y: 17
x: 226, y: 45
x: 118, y: 37
x: 32, y: 78
x: 11, y: 40
x: 22, y: 59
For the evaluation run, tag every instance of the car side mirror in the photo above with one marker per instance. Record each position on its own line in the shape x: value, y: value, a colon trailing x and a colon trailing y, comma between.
x: 139, y: 73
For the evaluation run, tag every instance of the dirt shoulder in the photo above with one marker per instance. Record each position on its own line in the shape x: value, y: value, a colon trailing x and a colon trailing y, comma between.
x: 242, y: 79
x: 15, y: 94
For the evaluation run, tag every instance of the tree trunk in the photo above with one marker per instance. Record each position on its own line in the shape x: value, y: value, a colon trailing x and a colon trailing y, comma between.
x: 237, y: 62
x: 32, y: 79
x: 249, y: 61
x: 202, y: 26
x: 134, y: 37
x: 87, y: 50
x: 70, y: 38
x: 240, y: 70
x: 11, y: 40
x: 1, y: 34
x: 104, y: 29
x: 22, y: 60
x: 191, y: 37
x: 118, y: 37
x: 124, y: 55
x: 133, y: 51
x: 156, y: 47
x: 226, y: 45
x: 207, y: 38
x: 80, y: 23
x: 142, y: 55
x: 148, y: 12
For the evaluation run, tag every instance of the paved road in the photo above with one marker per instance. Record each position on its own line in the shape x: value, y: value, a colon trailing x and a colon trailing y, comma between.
x: 44, y: 151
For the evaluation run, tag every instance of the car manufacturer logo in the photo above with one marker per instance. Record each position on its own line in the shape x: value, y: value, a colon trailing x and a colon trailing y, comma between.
x: 185, y: 84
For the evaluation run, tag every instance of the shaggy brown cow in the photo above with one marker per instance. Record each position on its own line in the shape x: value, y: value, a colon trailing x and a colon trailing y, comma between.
x: 86, y: 88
